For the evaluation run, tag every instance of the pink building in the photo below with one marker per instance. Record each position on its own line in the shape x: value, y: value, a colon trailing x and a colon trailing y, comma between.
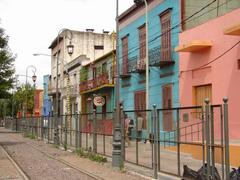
x: 209, y: 66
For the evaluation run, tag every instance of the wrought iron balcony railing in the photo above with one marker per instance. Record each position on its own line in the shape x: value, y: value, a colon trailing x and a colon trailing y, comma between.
x: 99, y: 81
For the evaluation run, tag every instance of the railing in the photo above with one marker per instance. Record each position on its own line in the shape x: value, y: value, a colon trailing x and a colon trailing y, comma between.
x: 101, y: 80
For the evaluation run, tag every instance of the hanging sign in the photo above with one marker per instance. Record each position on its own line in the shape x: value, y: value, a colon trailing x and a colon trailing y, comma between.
x: 99, y: 101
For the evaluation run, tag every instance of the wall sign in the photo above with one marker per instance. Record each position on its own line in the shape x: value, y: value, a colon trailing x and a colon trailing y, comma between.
x: 99, y: 101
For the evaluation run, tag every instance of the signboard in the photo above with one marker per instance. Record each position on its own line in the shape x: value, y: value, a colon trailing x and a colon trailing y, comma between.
x: 99, y: 101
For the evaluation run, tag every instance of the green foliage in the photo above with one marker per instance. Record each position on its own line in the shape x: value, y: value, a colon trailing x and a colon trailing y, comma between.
x: 90, y: 155
x: 24, y: 94
x: 122, y: 167
x: 6, y: 66
x: 29, y: 135
x: 83, y: 74
x: 65, y: 146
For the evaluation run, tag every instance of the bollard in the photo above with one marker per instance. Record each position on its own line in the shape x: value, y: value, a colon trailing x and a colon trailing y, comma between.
x: 226, y: 137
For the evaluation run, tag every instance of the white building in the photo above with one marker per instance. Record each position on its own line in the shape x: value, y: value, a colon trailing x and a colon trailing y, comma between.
x: 87, y: 47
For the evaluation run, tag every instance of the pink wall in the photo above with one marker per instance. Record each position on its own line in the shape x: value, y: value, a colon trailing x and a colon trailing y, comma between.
x: 223, y: 74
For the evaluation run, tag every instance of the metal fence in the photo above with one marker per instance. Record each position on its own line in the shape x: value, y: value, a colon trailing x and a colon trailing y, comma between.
x: 160, y: 139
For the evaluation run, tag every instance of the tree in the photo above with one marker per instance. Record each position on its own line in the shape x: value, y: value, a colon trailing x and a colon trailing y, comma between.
x: 24, y: 94
x: 6, y: 66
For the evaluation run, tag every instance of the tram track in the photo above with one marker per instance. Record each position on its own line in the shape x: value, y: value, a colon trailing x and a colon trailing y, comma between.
x: 48, y: 155
x: 22, y: 173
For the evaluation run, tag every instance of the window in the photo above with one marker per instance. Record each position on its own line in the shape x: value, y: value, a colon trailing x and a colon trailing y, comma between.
x: 167, y: 104
x: 140, y: 104
x: 142, y: 41
x: 98, y: 47
x: 125, y: 55
x: 201, y: 93
x: 165, y: 19
x: 104, y: 68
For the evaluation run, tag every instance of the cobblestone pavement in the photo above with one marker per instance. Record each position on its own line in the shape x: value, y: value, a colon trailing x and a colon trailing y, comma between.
x: 43, y: 161
x: 7, y: 168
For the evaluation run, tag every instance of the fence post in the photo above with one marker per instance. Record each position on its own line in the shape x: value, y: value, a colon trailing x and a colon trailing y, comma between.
x: 41, y: 126
x: 94, y: 131
x: 76, y: 130
x: 178, y: 142
x: 207, y: 138
x: 80, y: 129
x: 226, y: 137
x: 123, y: 132
x: 155, y: 169
x: 65, y: 132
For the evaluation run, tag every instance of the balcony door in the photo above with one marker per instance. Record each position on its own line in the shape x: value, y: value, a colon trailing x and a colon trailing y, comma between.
x: 165, y: 19
x: 167, y: 104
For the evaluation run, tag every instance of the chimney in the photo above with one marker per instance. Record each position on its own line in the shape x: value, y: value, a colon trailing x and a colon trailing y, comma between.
x: 89, y: 30
x: 105, y: 32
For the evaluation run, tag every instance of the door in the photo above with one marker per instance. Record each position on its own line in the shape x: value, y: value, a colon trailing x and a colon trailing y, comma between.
x: 140, y: 104
x: 166, y: 104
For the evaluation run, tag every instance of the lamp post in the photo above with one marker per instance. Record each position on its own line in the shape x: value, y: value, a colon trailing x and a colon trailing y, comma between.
x: 70, y: 49
x: 34, y: 78
x: 138, y: 3
x: 117, y: 134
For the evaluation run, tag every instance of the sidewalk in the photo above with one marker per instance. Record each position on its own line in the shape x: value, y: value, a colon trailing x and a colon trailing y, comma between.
x: 7, y: 168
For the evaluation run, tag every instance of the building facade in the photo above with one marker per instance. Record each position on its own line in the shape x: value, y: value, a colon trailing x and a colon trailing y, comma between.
x: 38, y: 102
x: 163, y: 16
x: 97, y: 81
x: 87, y: 47
x: 209, y: 66
x: 47, y: 105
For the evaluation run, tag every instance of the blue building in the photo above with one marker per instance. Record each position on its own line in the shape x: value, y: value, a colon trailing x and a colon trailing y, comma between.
x: 47, y: 104
x: 163, y: 29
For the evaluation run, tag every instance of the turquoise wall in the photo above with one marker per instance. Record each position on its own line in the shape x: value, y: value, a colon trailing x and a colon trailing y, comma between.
x: 155, y: 82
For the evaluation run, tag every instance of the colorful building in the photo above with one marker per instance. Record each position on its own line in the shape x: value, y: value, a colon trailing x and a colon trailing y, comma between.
x: 38, y: 101
x: 209, y: 65
x: 97, y: 80
x: 163, y: 18
x: 47, y: 104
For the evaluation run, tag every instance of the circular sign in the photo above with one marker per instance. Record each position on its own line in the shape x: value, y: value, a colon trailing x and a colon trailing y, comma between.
x: 99, y: 101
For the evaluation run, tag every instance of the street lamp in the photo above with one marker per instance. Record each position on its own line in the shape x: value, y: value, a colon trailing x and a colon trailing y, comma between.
x: 139, y: 3
x: 34, y: 78
x: 70, y: 49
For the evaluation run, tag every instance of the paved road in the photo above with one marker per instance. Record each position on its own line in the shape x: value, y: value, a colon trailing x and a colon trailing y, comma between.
x: 37, y: 165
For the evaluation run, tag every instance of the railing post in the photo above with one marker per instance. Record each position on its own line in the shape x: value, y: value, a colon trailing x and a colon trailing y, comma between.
x: 207, y: 138
x: 122, y: 120
x: 76, y: 130
x: 65, y: 131
x: 94, y: 131
x: 178, y: 142
x: 155, y: 158
x: 80, y: 129
x: 41, y: 126
x: 226, y: 137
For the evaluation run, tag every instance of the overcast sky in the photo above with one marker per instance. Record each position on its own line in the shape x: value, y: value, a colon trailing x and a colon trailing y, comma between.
x: 33, y: 24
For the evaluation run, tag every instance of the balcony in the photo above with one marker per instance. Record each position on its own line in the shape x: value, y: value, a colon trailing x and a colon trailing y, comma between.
x: 161, y: 57
x: 99, y: 82
x: 51, y: 89
x: 233, y: 30
x: 136, y: 65
x: 125, y: 73
x: 194, y: 46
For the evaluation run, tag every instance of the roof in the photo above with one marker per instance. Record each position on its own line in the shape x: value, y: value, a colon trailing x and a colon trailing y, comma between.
x: 100, y: 58
x: 133, y: 9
